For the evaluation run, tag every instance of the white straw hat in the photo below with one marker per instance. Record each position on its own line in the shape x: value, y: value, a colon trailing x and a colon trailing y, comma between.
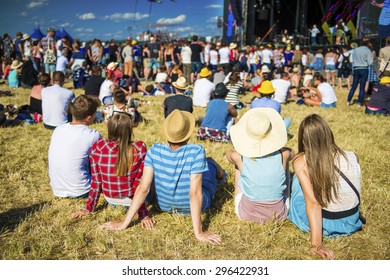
x: 260, y: 131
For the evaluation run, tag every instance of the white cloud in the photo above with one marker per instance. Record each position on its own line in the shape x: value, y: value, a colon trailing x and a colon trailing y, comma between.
x: 183, y: 29
x: 212, y: 20
x: 125, y: 16
x: 35, y: 4
x: 67, y: 24
x: 23, y: 14
x: 84, y: 30
x: 87, y: 16
x: 214, y: 6
x: 171, y: 21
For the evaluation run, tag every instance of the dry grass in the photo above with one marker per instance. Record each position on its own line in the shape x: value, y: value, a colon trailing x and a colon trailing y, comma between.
x: 35, y: 225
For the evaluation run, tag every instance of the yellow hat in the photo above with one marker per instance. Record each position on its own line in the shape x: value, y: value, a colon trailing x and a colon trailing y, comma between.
x: 134, y: 42
x: 385, y: 80
x: 266, y: 88
x: 205, y: 73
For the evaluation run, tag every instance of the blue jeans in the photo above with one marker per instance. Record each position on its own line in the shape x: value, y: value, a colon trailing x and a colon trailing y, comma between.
x: 383, y: 112
x: 360, y: 76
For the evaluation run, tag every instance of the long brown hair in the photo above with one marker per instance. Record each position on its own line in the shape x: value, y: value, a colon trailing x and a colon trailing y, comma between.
x: 316, y: 142
x: 120, y: 130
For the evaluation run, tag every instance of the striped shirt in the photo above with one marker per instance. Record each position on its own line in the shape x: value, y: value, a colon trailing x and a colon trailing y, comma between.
x: 232, y: 96
x: 103, y: 158
x: 172, y: 170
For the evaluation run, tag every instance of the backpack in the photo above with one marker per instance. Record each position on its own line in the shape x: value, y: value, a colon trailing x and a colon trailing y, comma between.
x: 345, y: 62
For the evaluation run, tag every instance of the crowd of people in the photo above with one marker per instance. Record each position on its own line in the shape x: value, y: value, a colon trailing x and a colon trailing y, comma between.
x: 323, y: 197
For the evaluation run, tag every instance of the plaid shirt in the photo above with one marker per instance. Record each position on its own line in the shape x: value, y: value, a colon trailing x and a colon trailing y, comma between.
x: 102, y: 158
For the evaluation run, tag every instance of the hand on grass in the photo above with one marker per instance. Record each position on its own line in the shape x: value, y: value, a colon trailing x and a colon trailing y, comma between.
x: 323, y: 252
x: 115, y: 225
x: 209, y: 237
x: 79, y: 214
x: 147, y: 223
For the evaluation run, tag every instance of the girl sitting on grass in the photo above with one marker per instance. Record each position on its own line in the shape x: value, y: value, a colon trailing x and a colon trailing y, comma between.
x: 261, y: 166
x: 323, y: 201
x: 117, y: 165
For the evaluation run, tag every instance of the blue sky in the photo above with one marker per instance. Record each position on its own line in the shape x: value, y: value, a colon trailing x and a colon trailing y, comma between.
x: 106, y: 19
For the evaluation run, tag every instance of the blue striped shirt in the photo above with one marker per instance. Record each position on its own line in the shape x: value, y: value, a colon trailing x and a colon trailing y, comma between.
x: 172, y: 170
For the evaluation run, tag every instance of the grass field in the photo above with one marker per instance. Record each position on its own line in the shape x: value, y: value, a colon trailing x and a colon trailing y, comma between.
x: 36, y: 225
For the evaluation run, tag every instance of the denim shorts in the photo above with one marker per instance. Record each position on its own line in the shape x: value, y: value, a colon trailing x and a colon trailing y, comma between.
x: 196, y: 66
x: 330, y: 67
x: 153, y: 64
x: 50, y: 68
x: 331, y: 105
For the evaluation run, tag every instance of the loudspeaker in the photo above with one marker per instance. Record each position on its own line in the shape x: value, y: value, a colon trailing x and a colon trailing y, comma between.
x: 262, y: 14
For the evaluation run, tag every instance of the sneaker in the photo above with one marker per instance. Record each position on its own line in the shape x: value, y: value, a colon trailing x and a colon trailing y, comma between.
x: 348, y: 103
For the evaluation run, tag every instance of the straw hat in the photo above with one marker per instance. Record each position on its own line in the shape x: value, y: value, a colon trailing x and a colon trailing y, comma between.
x: 204, y: 72
x: 259, y: 132
x: 295, y: 70
x: 112, y: 65
x: 265, y: 69
x: 385, y: 80
x: 16, y: 64
x: 266, y: 88
x: 178, y: 126
x: 25, y: 36
x: 307, y: 71
x: 181, y: 83
x: 232, y: 45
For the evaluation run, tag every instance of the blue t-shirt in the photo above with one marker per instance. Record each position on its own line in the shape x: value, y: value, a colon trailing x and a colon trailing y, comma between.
x: 384, y: 18
x: 264, y: 178
x: 13, y: 79
x: 266, y: 103
x: 217, y: 115
x: 172, y: 170
x: 314, y: 32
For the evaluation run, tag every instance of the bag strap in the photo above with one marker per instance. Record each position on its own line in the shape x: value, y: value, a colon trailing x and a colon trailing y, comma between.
x: 348, y: 181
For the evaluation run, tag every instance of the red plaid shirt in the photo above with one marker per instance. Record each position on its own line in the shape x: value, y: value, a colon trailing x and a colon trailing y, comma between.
x: 102, y: 158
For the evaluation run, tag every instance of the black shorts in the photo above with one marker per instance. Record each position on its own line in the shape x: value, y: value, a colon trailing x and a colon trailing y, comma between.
x: 345, y: 73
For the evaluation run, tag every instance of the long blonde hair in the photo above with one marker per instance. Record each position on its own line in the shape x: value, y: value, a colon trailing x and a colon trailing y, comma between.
x: 120, y: 130
x: 316, y: 142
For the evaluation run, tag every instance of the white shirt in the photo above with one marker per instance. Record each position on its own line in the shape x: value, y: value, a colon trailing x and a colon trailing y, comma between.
x: 202, y: 92
x: 224, y: 55
x: 68, y: 159
x: 161, y: 77
x: 213, y: 57
x: 266, y: 54
x: 281, y: 89
x: 327, y: 92
x: 55, y: 101
x: 59, y: 48
x: 105, y: 89
x: 62, y: 61
x: 186, y: 55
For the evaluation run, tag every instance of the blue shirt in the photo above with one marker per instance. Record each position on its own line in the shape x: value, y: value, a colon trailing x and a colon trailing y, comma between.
x: 384, y: 18
x: 172, y: 170
x: 314, y: 32
x: 263, y: 178
x: 217, y: 115
x: 266, y: 103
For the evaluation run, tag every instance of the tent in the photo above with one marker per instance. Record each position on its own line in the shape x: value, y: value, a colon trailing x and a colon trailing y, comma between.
x: 37, y: 34
x: 61, y: 33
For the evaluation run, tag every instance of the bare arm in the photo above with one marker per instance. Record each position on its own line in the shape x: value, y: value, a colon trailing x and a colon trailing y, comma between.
x: 313, y: 210
x: 138, y: 199
x: 196, y: 208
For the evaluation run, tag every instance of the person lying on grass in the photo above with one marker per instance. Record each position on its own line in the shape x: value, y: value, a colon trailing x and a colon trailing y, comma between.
x: 185, y: 181
x: 117, y: 165
x: 323, y: 200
